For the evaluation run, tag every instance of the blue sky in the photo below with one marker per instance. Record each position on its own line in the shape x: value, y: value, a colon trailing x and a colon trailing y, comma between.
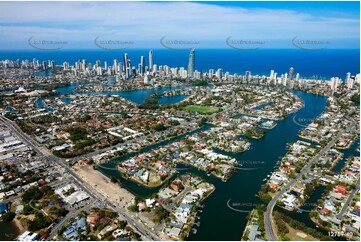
x: 324, y: 8
x: 201, y: 24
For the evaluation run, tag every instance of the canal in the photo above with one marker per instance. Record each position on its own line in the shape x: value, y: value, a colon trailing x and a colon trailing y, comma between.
x: 218, y: 221
x: 8, y: 231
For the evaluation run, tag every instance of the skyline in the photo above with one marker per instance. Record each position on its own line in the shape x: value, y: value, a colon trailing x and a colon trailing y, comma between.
x: 272, y: 25
x: 229, y: 60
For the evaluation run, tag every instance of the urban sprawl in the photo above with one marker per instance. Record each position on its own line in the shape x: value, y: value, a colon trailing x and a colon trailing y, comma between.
x: 55, y: 145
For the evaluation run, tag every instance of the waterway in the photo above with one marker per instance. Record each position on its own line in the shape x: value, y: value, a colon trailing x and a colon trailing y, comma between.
x: 8, y: 231
x: 352, y: 151
x: 319, y: 192
x: 218, y: 221
x: 136, y: 96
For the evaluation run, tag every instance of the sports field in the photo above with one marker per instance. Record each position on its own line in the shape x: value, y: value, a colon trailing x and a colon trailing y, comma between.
x: 201, y: 109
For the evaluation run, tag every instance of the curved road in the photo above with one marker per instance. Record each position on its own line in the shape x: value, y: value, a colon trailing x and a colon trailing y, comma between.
x: 268, y: 219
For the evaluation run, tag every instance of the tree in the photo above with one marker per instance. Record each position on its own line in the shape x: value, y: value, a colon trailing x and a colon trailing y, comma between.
x: 113, y: 179
x: 62, y: 212
x: 33, y: 193
x: 265, y: 198
x: 39, y: 222
x: 133, y: 208
x: 160, y: 213
x: 160, y: 127
x: 27, y: 210
x: 313, y: 214
x: 122, y: 224
x: 136, y: 236
x: 47, y: 190
x: 8, y: 217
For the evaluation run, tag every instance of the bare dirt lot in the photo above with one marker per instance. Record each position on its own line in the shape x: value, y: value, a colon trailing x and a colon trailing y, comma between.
x: 102, y: 184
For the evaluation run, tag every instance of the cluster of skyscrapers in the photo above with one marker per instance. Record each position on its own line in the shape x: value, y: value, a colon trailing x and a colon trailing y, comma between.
x: 125, y: 70
x: 335, y: 82
x: 26, y: 64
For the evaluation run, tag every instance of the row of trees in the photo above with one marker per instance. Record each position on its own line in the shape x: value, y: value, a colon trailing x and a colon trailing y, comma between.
x: 297, y: 225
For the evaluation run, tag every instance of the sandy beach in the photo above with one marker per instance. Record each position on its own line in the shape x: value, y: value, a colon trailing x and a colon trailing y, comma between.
x: 102, y: 184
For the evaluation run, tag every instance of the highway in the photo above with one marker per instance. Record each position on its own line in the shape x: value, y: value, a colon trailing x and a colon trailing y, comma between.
x: 44, y: 153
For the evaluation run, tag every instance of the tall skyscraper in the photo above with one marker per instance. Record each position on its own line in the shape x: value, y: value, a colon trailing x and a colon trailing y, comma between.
x: 53, y: 65
x: 115, y: 66
x: 290, y: 73
x: 348, y: 76
x: 271, y: 74
x: 150, y: 60
x: 65, y: 65
x: 126, y: 65
x: 83, y: 65
x: 45, y: 65
x: 334, y: 83
x: 211, y: 73
x: 248, y: 76
x: 191, y: 63
x: 349, y: 81
x: 219, y: 73
x: 297, y: 76
x: 142, y: 64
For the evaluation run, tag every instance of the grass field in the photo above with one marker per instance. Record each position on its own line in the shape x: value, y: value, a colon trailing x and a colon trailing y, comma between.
x: 201, y: 109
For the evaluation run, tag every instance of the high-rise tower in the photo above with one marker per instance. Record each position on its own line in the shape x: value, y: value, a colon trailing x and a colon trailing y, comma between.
x: 191, y: 63
x: 142, y: 64
x: 150, y: 60
x: 290, y: 73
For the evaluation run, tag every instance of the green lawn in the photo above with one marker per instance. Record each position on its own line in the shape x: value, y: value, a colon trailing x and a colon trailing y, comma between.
x: 201, y: 109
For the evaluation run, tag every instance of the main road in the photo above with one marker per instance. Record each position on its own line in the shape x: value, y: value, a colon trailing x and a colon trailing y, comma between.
x: 43, y: 152
x: 268, y: 219
x: 348, y: 201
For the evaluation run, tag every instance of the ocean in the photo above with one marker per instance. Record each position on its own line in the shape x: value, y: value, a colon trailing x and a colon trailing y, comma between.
x: 320, y: 64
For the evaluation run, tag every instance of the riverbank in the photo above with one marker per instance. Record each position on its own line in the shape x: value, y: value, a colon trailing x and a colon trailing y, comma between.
x: 215, y: 217
x: 346, y: 235
x: 19, y: 225
x: 9, y: 230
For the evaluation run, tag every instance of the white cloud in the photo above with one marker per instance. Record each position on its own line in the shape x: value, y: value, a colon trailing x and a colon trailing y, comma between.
x: 149, y: 21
